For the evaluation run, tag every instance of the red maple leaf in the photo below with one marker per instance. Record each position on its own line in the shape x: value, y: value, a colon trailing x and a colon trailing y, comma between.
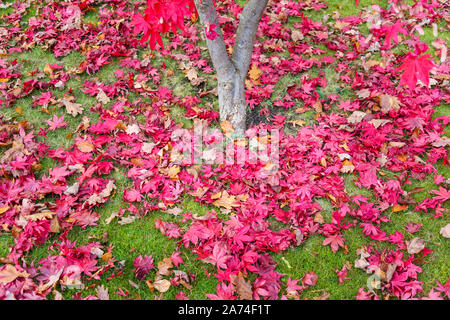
x: 335, y: 241
x: 56, y: 123
x: 143, y: 266
x: 219, y: 256
x: 392, y: 32
x: 442, y: 193
x: 416, y: 67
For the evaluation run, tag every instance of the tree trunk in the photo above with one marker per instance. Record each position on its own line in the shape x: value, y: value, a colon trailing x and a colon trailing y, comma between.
x: 232, y: 106
x: 231, y: 71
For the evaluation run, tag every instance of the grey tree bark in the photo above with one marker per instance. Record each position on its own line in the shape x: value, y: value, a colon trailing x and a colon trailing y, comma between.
x: 232, y: 71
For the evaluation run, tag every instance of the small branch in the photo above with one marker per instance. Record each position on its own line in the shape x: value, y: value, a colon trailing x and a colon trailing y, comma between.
x: 217, y: 48
x: 245, y: 35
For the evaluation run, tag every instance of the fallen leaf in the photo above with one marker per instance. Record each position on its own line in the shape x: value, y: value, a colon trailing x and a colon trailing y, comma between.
x: 415, y: 245
x: 445, y: 231
x: 10, y: 273
x: 162, y: 285
x: 85, y: 147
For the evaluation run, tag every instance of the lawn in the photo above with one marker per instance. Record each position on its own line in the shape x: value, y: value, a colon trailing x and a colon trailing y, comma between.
x: 141, y: 237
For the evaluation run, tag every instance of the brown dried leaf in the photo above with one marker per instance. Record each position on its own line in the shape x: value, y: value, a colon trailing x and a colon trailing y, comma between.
x: 445, y: 231
x: 388, y: 103
x: 415, y: 245
x: 102, y: 97
x: 162, y: 285
x: 102, y: 292
x: 10, y: 273
x: 164, y: 267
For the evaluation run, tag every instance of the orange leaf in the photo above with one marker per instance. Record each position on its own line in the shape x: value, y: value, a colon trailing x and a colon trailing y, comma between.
x: 85, y: 147
x: 399, y: 207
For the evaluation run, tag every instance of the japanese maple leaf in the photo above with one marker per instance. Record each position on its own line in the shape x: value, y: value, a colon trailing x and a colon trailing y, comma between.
x: 59, y: 174
x: 310, y: 278
x: 210, y: 33
x: 416, y: 68
x: 131, y: 195
x: 392, y: 32
x: 176, y: 259
x: 412, y: 228
x: 292, y: 286
x: 342, y: 274
x: 219, y: 256
x: 224, y: 292
x: 143, y: 266
x: 141, y: 24
x: 443, y: 194
x: 56, y: 123
x: 335, y: 241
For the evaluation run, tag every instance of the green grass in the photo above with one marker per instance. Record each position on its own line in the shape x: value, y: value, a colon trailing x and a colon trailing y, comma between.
x: 140, y: 237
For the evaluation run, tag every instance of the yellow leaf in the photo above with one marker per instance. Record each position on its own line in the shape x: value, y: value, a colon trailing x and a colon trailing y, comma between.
x: 4, y: 209
x: 55, y: 226
x: 344, y: 146
x: 138, y: 162
x: 226, y: 201
x: 40, y: 216
x: 254, y: 73
x: 216, y: 195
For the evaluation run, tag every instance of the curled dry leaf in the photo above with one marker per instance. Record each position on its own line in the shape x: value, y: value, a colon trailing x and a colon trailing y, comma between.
x: 85, y: 147
x: 164, y: 267
x: 445, y: 231
x: 415, y: 245
x: 162, y: 285
x: 9, y: 273
x: 102, y: 292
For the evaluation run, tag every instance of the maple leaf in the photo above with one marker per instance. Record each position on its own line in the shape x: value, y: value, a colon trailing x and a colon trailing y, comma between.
x: 143, y: 265
x: 219, y: 256
x: 412, y: 228
x: 210, y: 32
x: 292, y: 286
x: 176, y: 259
x: 416, y: 68
x: 310, y: 278
x: 392, y: 32
x: 342, y: 274
x: 59, y: 174
x: 56, y: 123
x: 224, y: 292
x: 442, y: 194
x: 335, y: 241
x: 131, y: 195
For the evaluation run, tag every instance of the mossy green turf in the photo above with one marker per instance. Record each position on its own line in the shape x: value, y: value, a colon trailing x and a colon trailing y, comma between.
x: 140, y: 237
